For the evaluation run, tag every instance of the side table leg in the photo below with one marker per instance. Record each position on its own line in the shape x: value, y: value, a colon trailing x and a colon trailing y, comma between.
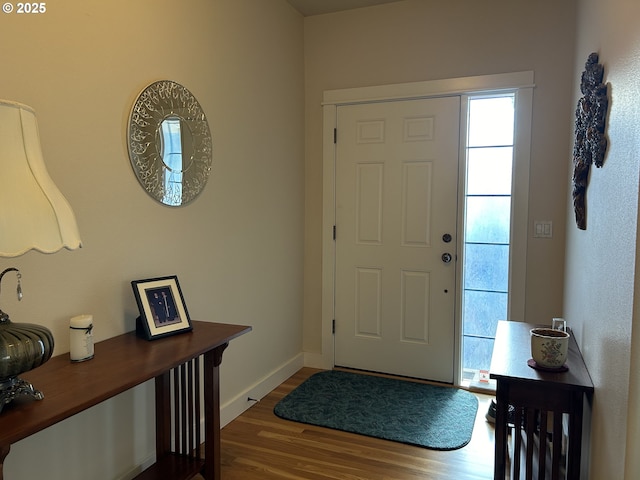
x: 575, y: 437
x: 4, y: 451
x: 500, y: 457
x: 212, y: 465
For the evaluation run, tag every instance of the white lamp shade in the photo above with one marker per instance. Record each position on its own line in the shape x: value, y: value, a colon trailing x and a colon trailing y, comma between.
x: 33, y: 212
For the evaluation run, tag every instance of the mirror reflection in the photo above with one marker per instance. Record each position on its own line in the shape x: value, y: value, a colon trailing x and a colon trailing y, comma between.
x: 169, y: 143
x: 176, y: 150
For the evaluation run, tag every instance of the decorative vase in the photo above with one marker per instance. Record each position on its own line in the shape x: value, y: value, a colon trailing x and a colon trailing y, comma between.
x: 23, y: 347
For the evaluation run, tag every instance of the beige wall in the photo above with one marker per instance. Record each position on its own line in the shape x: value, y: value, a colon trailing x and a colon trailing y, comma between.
x: 237, y: 250
x: 601, y: 265
x: 418, y: 40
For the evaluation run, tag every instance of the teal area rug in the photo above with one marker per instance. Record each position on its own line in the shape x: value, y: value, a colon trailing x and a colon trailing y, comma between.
x: 439, y: 418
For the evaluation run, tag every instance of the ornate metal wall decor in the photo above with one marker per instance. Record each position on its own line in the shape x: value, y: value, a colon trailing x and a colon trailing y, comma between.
x: 170, y: 144
x: 590, y: 140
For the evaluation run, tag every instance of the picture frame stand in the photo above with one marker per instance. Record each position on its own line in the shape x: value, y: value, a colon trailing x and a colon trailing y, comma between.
x: 163, y: 311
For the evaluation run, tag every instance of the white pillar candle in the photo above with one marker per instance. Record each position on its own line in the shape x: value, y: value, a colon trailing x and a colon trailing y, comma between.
x: 81, y: 336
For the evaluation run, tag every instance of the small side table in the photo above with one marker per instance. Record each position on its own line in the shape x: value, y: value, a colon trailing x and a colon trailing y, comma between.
x: 540, y: 398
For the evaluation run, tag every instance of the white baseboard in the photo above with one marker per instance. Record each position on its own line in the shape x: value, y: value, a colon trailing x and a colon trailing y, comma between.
x: 234, y: 407
x: 138, y: 469
x: 317, y: 360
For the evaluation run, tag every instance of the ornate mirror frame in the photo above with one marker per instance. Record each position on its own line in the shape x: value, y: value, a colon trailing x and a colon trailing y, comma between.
x: 169, y: 143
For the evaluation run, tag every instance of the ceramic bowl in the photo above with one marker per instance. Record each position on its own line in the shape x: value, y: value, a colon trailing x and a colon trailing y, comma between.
x: 549, y: 347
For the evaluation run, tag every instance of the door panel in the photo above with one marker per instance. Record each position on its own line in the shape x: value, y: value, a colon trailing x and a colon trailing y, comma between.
x: 396, y: 196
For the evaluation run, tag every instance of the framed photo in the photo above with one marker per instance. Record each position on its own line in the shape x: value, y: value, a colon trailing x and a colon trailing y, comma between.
x: 162, y: 308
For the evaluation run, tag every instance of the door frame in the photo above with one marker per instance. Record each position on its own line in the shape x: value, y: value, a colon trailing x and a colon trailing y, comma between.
x: 522, y: 82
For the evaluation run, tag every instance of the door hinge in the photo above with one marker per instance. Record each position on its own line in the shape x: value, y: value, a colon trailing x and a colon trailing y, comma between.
x: 335, y: 135
x: 333, y: 326
x: 334, y: 232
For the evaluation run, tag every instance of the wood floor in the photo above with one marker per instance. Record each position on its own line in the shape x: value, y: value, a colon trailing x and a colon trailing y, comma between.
x: 260, y: 446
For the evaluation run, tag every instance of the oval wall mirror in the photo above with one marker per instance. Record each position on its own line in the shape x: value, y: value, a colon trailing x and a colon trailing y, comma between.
x: 169, y: 143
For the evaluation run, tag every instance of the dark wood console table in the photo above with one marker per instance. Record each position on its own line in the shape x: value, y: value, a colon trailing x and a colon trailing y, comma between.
x: 539, y: 398
x: 121, y: 363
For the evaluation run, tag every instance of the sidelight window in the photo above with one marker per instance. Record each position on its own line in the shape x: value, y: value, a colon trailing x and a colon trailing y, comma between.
x: 487, y: 229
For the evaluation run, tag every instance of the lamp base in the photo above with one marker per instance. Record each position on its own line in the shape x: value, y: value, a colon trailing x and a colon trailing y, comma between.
x: 16, y: 387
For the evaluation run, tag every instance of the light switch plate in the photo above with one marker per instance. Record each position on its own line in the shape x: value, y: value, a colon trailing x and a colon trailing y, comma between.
x: 542, y: 229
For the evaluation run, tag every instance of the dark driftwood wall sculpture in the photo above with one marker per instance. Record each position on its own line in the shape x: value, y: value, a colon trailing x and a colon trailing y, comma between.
x: 590, y: 141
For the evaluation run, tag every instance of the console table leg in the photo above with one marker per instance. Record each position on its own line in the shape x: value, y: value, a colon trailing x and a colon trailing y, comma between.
x: 4, y: 451
x: 212, y: 464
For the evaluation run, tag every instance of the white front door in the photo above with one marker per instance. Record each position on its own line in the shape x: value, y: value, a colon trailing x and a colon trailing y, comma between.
x: 396, y: 217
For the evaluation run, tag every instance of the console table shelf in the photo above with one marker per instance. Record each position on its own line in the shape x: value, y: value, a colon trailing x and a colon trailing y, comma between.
x: 121, y: 363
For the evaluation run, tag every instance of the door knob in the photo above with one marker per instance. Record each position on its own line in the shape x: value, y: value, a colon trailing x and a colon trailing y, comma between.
x: 447, y: 257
